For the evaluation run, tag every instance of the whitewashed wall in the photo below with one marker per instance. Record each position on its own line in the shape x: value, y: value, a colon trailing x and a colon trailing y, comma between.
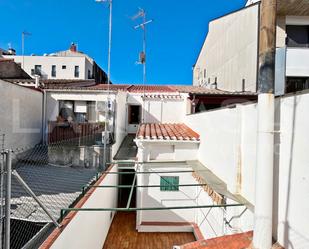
x: 292, y: 173
x: 157, y: 110
x: 211, y: 221
x: 166, y: 151
x: 228, y: 148
x: 153, y: 197
x: 20, y: 115
x: 228, y: 145
x: 90, y: 229
x: 120, y: 121
x: 230, y: 51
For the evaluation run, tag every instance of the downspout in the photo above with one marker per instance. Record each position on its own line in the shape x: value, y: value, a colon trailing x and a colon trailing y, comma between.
x: 262, y: 238
x: 44, y: 118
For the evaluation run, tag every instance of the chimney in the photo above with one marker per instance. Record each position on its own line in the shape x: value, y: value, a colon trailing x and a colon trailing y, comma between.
x: 243, y: 88
x: 37, y: 81
x: 73, y: 47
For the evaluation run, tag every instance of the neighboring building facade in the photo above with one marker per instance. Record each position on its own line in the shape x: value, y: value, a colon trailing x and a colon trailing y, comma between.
x: 132, y: 104
x: 229, y: 56
x: 226, y: 59
x: 70, y: 64
x: 21, y: 116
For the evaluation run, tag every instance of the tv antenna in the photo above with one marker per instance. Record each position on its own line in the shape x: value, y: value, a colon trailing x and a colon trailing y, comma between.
x: 142, y: 56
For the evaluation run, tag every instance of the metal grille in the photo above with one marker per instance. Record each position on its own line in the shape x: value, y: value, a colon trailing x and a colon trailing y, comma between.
x: 45, y: 179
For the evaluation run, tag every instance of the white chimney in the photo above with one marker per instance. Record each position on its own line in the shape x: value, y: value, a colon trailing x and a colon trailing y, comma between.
x: 37, y: 81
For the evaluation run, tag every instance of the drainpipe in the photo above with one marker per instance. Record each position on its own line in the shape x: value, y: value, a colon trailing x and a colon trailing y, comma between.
x: 37, y: 81
x: 262, y: 238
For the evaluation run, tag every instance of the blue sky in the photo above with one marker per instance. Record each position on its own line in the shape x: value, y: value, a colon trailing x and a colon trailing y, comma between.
x: 174, y: 38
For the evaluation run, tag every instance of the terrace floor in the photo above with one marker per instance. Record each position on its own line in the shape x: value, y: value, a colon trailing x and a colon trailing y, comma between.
x: 127, y: 150
x: 123, y: 235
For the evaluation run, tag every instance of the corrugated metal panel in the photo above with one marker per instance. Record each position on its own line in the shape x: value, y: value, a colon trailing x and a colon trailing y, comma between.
x: 280, y: 71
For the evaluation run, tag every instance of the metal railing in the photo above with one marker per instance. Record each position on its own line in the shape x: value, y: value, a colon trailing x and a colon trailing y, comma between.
x: 86, y: 132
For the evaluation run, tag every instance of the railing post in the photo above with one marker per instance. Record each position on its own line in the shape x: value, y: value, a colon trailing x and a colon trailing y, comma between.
x: 8, y: 159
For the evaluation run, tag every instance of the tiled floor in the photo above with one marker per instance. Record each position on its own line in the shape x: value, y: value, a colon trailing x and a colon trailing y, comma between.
x: 123, y: 235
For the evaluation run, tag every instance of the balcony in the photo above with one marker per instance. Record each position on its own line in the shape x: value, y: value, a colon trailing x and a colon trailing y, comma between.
x: 81, y: 133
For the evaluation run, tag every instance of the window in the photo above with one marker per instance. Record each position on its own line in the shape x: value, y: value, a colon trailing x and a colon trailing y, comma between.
x: 169, y: 183
x: 297, y: 35
x: 38, y: 69
x: 89, y: 74
x: 76, y: 72
x: 64, y: 67
x: 53, y: 71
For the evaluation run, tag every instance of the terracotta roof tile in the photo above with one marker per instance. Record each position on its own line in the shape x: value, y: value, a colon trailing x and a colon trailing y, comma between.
x: 235, y: 241
x: 112, y: 87
x: 166, y: 132
x: 56, y: 84
x: 206, y: 91
x: 163, y: 96
x: 150, y: 88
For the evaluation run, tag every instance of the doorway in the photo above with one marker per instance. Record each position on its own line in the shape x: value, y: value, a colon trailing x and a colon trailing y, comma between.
x: 134, y: 117
x: 123, y: 193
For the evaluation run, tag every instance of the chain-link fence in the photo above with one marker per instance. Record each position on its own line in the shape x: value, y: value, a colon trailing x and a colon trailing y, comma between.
x: 44, y: 179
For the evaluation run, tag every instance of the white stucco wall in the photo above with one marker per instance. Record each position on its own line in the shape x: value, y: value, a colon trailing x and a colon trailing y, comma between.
x: 90, y: 229
x: 120, y: 121
x: 47, y: 61
x: 220, y: 148
x: 230, y: 51
x: 292, y: 173
x: 228, y: 148
x: 166, y: 150
x: 211, y: 221
x: 158, y: 110
x: 153, y: 197
x: 20, y: 115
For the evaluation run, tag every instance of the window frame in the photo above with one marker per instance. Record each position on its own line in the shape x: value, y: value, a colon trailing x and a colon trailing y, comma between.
x: 169, y: 183
x: 76, y: 71
x: 38, y: 70
x: 54, y: 71
x: 293, y: 33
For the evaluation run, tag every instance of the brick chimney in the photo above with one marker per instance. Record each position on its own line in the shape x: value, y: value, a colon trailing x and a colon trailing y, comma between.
x: 73, y: 47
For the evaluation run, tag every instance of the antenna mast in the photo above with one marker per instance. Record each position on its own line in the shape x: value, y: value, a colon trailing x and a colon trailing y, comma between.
x: 142, y: 57
x: 108, y: 103
x: 23, y: 34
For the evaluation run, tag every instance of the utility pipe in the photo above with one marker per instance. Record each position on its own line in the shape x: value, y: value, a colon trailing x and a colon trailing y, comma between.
x: 262, y: 237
